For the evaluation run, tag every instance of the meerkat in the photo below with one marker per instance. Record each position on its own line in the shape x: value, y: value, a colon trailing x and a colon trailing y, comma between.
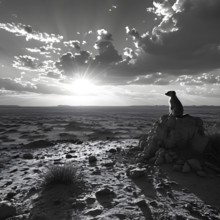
x: 175, y: 106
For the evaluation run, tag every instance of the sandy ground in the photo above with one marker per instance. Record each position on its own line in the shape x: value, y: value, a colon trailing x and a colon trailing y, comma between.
x: 158, y: 193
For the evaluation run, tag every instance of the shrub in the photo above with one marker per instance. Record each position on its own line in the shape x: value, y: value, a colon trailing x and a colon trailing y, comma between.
x: 61, y: 174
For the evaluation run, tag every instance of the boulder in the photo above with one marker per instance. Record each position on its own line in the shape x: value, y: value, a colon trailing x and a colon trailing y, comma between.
x: 184, y: 135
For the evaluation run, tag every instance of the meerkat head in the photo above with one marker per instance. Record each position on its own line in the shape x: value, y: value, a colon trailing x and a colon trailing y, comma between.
x: 170, y: 93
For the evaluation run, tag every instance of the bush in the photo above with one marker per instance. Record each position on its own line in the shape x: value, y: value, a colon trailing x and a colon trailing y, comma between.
x: 61, y: 174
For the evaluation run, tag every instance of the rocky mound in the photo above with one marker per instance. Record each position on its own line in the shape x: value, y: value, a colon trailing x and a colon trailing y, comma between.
x: 179, y: 140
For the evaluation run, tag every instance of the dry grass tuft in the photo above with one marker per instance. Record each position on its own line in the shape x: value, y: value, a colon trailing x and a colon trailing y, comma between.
x: 61, y: 174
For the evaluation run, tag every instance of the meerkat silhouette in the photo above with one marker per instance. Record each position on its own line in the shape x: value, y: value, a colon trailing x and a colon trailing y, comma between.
x: 175, y: 106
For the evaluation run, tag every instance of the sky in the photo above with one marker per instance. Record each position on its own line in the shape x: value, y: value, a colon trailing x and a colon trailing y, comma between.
x: 109, y: 52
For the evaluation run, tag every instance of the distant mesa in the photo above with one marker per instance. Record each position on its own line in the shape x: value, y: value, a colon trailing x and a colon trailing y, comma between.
x: 64, y: 106
x: 10, y: 106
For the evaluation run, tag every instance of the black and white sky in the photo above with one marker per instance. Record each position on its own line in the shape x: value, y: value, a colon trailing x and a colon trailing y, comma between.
x: 109, y: 52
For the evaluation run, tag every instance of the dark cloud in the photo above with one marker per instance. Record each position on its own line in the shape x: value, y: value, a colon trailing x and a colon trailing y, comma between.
x: 73, y: 43
x: 107, y: 52
x: 28, y: 29
x: 8, y: 84
x: 12, y: 85
x: 69, y: 63
x: 186, y: 40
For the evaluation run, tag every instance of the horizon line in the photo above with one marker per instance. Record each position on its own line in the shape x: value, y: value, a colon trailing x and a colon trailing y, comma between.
x: 72, y: 106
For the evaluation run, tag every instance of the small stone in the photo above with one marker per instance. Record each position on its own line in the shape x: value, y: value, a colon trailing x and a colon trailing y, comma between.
x: 195, y: 164
x: 79, y: 205
x: 104, y: 192
x: 154, y: 204
x: 168, y: 158
x: 92, y: 159
x: 90, y: 200
x: 180, y: 162
x: 28, y: 156
x: 137, y: 172
x: 94, y: 212
x: 108, y: 163
x: 159, y: 160
x: 10, y: 195
x: 186, y: 168
x: 201, y: 173
x: 68, y: 156
x: 152, y: 160
x: 6, y: 210
x: 141, y: 202
x: 177, y: 167
x: 112, y: 150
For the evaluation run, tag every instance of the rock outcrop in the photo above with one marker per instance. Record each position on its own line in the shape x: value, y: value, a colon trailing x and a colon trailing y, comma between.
x: 172, y: 137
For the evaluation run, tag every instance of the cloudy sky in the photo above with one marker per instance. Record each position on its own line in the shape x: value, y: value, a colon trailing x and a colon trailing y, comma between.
x: 109, y: 52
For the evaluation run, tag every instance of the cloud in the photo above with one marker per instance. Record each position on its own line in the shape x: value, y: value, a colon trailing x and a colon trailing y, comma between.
x: 152, y: 79
x: 73, y: 43
x: 12, y: 85
x: 27, y: 31
x: 107, y: 52
x: 186, y: 40
x: 54, y: 75
x: 45, y: 50
x: 202, y: 79
x: 26, y: 63
x: 70, y: 63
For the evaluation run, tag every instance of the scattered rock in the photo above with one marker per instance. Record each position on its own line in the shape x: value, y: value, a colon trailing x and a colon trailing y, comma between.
x: 79, y: 205
x: 154, y: 203
x: 108, y: 163
x: 28, y: 156
x: 92, y: 159
x: 195, y: 164
x: 6, y: 210
x: 137, y: 172
x: 140, y: 202
x: 104, y: 192
x: 10, y: 195
x: 177, y: 167
x: 180, y: 162
x: 90, y: 200
x: 186, y: 168
x: 112, y: 150
x: 168, y: 158
x: 201, y: 173
x: 94, y: 212
x: 68, y: 156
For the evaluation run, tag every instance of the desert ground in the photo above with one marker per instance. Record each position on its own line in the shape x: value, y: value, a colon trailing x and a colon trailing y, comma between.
x: 102, y: 144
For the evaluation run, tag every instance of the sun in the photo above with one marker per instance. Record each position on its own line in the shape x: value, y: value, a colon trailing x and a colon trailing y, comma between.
x: 82, y: 86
